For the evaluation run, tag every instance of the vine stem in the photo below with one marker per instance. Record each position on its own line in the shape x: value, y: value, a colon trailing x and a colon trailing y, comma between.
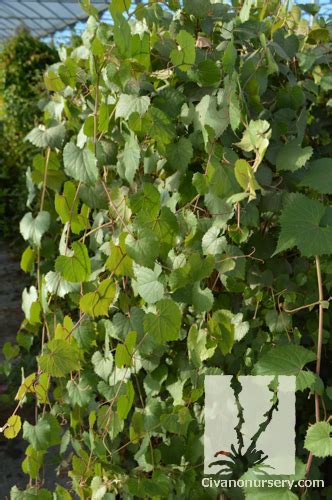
x: 319, y: 347
x: 47, y: 160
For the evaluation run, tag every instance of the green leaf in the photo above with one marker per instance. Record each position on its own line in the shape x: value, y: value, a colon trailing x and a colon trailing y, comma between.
x: 46, y: 433
x: 31, y: 305
x: 128, y: 104
x: 80, y: 164
x: 27, y: 260
x: 52, y: 80
x: 234, y: 108
x: 245, y: 176
x: 278, y: 322
x: 200, y: 182
x: 88, y: 8
x: 283, y: 360
x: 147, y: 200
x: 125, y: 401
x: 319, y: 176
x: 143, y: 249
x: 33, y: 229
x: 179, y: 154
x: 229, y: 58
x: 59, y: 358
x: 165, y: 324
x: 124, y: 352
x: 97, y: 303
x: 147, y: 283
x: 197, y: 349
x: 184, y: 56
x: 245, y: 10
x: 211, y: 117
x: 119, y: 262
x: 202, y: 299
x: 42, y: 137
x: 222, y: 329
x: 310, y: 8
x: 318, y: 439
x: 129, y: 159
x: 212, y: 242
x: 122, y: 34
x: 301, y: 226
x: 292, y: 156
x: 158, y: 125
x: 79, y: 393
x: 305, y: 380
x: 194, y: 270
x: 103, y: 364
x: 10, y: 351
x: 13, y: 427
x: 66, y: 205
x: 256, y: 136
x: 206, y: 74
x: 119, y: 6
x: 77, y: 267
x: 56, y: 285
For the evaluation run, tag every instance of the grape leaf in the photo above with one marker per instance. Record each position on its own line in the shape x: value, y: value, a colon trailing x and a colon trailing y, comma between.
x: 80, y: 164
x: 179, y: 154
x: 318, y: 439
x: 46, y: 433
x: 165, y: 324
x: 103, y: 364
x: 33, y: 229
x: 197, y: 349
x: 129, y: 159
x: 119, y: 262
x: 292, y: 156
x: 77, y: 267
x: 256, y: 136
x: 144, y: 248
x: 59, y: 358
x: 212, y: 242
x: 184, y: 55
x: 42, y: 137
x: 300, y: 223
x: 128, y: 104
x: 97, y: 303
x: 79, y: 393
x: 319, y: 176
x: 147, y: 283
x: 283, y: 360
x: 13, y: 427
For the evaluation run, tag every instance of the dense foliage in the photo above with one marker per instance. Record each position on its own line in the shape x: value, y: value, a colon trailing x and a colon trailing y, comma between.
x: 183, y: 228
x: 23, y: 59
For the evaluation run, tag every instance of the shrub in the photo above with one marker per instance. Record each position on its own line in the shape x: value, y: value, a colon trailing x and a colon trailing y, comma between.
x: 23, y: 59
x: 182, y: 227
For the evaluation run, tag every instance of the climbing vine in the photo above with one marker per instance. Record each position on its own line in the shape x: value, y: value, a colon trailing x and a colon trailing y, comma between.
x: 182, y: 228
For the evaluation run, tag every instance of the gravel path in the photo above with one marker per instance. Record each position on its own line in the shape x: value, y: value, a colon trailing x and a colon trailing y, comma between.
x: 12, y: 282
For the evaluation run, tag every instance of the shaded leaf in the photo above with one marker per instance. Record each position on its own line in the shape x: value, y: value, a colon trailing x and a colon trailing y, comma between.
x: 165, y: 324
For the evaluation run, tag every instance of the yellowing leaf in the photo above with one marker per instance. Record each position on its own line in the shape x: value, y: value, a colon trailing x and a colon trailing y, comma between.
x: 97, y: 303
x: 13, y: 427
x: 245, y: 176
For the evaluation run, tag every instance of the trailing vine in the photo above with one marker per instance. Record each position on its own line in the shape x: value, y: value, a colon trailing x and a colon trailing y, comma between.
x: 183, y: 229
